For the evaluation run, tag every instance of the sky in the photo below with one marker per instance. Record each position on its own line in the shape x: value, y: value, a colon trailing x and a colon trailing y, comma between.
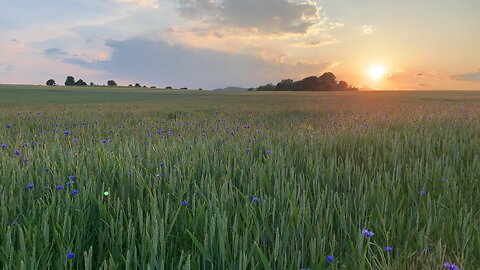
x: 371, y: 44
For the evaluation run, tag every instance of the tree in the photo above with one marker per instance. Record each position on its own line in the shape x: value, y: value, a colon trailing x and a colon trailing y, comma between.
x: 92, y: 84
x: 70, y: 81
x: 80, y: 83
x: 111, y: 83
x: 51, y: 82
x: 137, y: 85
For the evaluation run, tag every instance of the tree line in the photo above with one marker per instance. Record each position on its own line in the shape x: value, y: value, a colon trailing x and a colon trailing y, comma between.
x: 70, y: 81
x: 326, y: 82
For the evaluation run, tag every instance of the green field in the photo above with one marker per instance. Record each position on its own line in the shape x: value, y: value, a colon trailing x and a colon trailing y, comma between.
x: 243, y: 180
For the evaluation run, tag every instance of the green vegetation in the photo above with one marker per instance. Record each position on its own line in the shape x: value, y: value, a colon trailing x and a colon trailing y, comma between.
x: 255, y: 180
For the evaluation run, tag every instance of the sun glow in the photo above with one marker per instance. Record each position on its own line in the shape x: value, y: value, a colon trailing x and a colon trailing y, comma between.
x: 376, y: 72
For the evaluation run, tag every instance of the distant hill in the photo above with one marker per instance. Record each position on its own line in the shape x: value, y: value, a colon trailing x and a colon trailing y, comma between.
x: 232, y: 89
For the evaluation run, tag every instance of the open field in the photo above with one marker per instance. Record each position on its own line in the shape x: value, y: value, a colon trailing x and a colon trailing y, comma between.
x: 214, y: 180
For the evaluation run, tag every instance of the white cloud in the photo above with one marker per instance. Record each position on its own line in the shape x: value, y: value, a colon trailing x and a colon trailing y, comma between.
x: 368, y: 29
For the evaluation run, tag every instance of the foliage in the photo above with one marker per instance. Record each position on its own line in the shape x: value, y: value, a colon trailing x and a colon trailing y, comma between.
x: 326, y: 82
x: 111, y: 83
x: 70, y: 81
x: 249, y: 184
x: 51, y: 82
x: 80, y: 82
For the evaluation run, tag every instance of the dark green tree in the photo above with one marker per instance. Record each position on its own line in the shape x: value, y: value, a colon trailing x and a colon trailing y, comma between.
x: 111, y: 83
x: 70, y: 81
x: 80, y: 83
x: 51, y: 82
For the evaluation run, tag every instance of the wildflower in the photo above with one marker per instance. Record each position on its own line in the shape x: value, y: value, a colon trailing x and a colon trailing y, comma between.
x: 444, y: 180
x: 30, y: 186
x: 70, y: 255
x: 423, y: 193
x: 71, y: 182
x: 450, y: 266
x: 67, y: 132
x: 59, y: 187
x: 75, y: 140
x: 8, y: 126
x: 25, y: 161
x: 268, y: 152
x: 71, y: 177
x: 185, y: 203
x: 255, y: 199
x: 159, y: 175
x: 388, y: 249
x: 104, y: 141
x: 3, y: 146
x: 367, y: 233
x: 75, y: 192
x: 17, y: 153
x: 162, y: 164
x: 248, y: 150
x: 330, y: 259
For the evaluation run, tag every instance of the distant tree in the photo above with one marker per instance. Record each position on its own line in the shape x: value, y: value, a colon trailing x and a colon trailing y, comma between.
x: 51, y: 82
x: 267, y: 87
x: 168, y: 88
x: 80, y: 82
x: 343, y: 85
x: 184, y: 88
x: 153, y: 87
x: 251, y: 89
x: 144, y: 86
x: 130, y: 85
x: 200, y: 89
x: 137, y: 85
x: 92, y: 84
x: 70, y: 81
x: 111, y: 83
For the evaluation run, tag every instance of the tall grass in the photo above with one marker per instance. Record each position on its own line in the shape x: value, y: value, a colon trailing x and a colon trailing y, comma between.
x: 181, y: 188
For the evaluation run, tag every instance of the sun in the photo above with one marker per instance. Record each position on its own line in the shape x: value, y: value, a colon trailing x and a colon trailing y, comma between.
x: 376, y: 72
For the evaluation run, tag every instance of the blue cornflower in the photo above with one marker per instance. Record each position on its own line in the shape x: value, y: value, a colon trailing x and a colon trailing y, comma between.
x: 8, y: 126
x: 60, y: 187
x: 161, y: 164
x: 185, y: 203
x: 30, y: 186
x: 248, y: 150
x: 67, y: 132
x: 104, y: 141
x: 17, y: 153
x: 330, y: 259
x: 268, y: 152
x: 70, y: 255
x: 75, y: 140
x: 255, y: 199
x: 71, y: 182
x: 444, y: 180
x: 75, y: 192
x: 367, y: 233
x: 71, y: 177
x: 388, y: 249
x: 451, y: 266
x: 423, y: 193
x: 4, y: 146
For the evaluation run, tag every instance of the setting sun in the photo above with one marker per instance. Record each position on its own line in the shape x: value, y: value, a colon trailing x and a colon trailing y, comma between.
x: 376, y: 72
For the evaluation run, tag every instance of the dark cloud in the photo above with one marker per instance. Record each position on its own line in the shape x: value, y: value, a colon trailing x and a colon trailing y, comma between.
x: 54, y: 53
x: 474, y: 76
x: 269, y: 16
x: 160, y: 63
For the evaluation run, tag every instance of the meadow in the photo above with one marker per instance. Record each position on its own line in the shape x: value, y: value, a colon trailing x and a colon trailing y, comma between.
x: 122, y: 178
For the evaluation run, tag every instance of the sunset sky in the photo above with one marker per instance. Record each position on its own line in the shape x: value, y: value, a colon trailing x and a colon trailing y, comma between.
x: 378, y: 44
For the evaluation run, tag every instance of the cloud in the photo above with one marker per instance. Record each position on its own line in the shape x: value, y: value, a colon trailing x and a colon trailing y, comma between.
x: 368, y: 29
x: 266, y: 16
x: 54, y: 53
x: 161, y: 63
x: 473, y: 76
x: 5, y: 67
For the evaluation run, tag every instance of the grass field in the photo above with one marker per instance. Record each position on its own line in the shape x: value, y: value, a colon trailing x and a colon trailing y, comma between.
x: 151, y: 179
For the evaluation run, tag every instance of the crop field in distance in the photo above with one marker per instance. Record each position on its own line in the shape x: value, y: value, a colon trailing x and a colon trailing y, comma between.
x: 123, y: 178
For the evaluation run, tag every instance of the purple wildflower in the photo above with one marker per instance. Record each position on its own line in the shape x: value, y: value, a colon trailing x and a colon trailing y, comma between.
x: 330, y: 259
x: 255, y: 199
x: 248, y: 150
x: 4, y: 146
x: 30, y: 186
x: 451, y: 266
x: 185, y: 203
x: 75, y: 192
x: 70, y: 255
x: 75, y: 140
x: 17, y: 153
x: 71, y: 182
x: 67, y: 132
x: 367, y: 234
x: 8, y: 126
x: 388, y: 249
x: 59, y: 187
x: 422, y: 193
x: 268, y: 152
